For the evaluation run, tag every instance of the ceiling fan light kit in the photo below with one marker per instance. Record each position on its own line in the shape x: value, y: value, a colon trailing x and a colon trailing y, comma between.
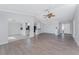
x: 50, y: 14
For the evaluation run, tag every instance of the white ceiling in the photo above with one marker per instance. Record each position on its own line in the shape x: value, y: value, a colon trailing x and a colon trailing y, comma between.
x: 62, y: 11
x: 27, y: 8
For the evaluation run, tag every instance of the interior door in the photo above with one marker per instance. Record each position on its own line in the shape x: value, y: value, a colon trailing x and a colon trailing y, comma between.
x: 67, y: 28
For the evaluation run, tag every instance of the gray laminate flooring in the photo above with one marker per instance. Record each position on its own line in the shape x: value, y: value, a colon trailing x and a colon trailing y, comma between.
x: 43, y: 44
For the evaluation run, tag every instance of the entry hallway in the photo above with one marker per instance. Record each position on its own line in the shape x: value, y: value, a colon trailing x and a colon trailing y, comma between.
x: 43, y: 44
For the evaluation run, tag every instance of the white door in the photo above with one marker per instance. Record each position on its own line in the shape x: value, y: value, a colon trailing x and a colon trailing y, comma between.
x: 67, y: 28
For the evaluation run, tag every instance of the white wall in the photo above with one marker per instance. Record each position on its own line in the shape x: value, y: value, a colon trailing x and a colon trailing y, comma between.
x: 17, y: 20
x: 3, y: 29
x: 49, y: 27
x: 14, y: 28
x: 76, y: 26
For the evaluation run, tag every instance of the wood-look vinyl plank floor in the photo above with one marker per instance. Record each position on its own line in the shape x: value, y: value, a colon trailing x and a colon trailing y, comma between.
x: 46, y: 44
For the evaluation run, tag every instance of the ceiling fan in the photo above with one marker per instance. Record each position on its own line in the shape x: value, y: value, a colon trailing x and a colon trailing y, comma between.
x: 49, y: 14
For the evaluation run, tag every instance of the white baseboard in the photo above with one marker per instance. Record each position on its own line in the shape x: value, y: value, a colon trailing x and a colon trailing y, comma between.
x: 77, y: 41
x: 1, y: 43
